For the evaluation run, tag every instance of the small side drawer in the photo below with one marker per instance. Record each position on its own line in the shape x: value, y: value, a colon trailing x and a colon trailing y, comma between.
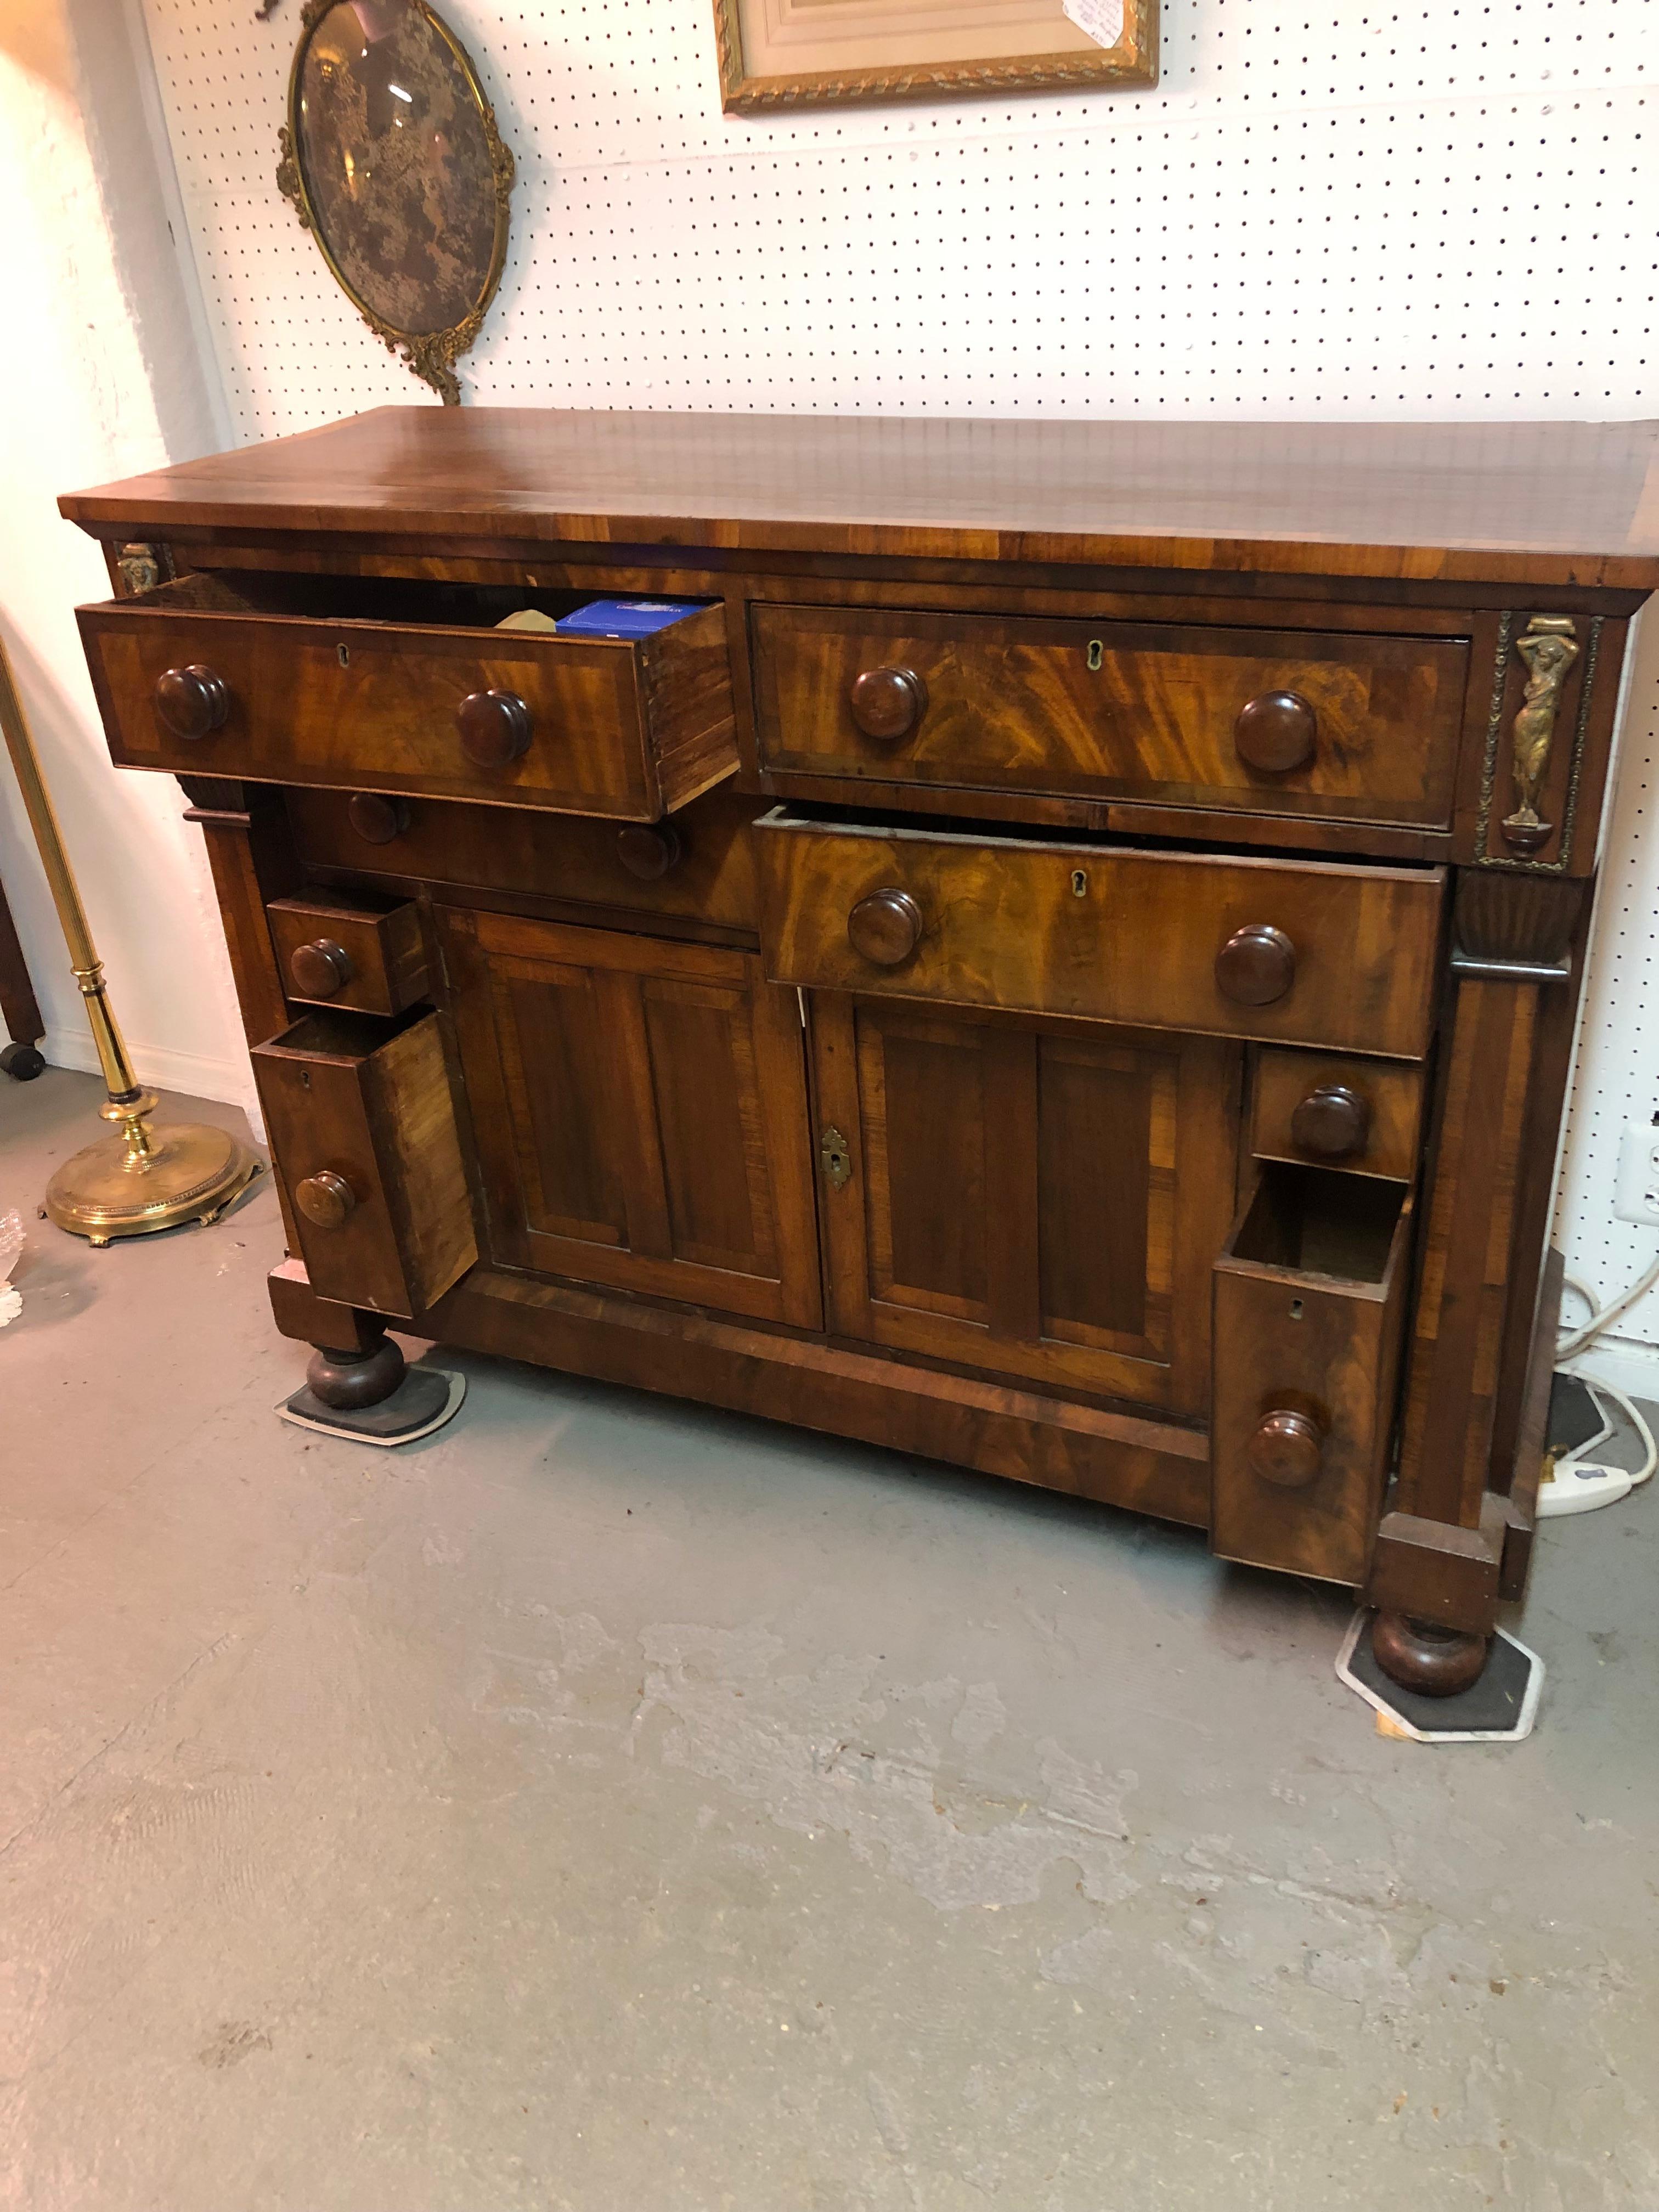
x: 363, y: 1129
x: 1295, y: 952
x: 340, y: 950
x: 1330, y: 1109
x: 1310, y: 1301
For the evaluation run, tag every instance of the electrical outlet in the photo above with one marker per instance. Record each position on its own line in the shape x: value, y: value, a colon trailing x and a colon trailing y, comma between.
x: 1635, y: 1193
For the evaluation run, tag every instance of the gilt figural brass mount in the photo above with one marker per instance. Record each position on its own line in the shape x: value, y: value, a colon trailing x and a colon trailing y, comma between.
x: 1549, y: 645
x: 392, y: 161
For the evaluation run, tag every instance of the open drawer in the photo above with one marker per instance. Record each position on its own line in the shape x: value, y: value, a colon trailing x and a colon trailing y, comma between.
x: 1310, y: 1300
x: 361, y: 1124
x: 1340, y: 955
x: 399, y: 685
x: 346, y: 949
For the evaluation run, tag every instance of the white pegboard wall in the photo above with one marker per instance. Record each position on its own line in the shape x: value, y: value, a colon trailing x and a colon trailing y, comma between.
x: 1616, y: 1074
x: 1320, y: 210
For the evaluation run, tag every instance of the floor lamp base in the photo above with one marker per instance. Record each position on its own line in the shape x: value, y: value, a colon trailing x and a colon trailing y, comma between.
x: 146, y: 1179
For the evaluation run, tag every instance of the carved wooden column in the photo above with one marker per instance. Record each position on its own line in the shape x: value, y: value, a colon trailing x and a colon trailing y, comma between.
x: 1483, y: 1338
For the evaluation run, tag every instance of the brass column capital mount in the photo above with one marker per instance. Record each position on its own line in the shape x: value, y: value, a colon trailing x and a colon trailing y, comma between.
x: 140, y: 1178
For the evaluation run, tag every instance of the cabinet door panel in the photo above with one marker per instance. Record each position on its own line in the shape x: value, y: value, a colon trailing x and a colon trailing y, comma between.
x: 641, y: 1113
x: 1033, y: 1198
x: 557, y: 1064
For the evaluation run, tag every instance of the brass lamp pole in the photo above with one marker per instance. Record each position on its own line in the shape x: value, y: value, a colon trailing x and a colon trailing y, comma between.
x: 139, y: 1179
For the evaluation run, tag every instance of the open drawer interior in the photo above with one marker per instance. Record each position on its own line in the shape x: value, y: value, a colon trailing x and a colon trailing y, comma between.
x: 407, y: 601
x: 1310, y: 1312
x: 1317, y: 1221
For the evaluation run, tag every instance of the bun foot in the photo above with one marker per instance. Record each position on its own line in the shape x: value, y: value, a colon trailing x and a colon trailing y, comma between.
x: 1423, y: 1656
x: 348, y: 1380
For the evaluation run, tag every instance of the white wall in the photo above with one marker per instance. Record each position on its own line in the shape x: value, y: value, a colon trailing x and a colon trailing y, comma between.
x: 102, y: 373
x: 1343, y: 210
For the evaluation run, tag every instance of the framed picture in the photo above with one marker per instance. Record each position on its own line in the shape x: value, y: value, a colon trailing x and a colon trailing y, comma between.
x: 794, y: 54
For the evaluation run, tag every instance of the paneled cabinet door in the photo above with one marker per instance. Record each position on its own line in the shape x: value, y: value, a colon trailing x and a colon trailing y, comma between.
x: 1042, y: 1199
x: 640, y: 1112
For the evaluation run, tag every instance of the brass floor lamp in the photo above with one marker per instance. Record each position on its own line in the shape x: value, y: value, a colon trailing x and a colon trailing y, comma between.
x: 141, y: 1178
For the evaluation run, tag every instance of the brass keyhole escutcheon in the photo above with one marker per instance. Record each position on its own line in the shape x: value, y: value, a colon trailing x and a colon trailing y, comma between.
x: 836, y: 1158
x: 1079, y: 882
x: 344, y: 651
x: 1096, y: 655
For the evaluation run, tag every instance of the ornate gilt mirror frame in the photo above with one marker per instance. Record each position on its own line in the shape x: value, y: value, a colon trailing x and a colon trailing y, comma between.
x: 432, y: 354
x: 802, y: 53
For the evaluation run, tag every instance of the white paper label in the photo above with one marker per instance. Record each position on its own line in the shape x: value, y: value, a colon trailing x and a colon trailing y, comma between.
x: 1101, y: 19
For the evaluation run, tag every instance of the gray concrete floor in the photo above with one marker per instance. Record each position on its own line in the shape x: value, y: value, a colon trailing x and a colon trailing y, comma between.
x: 609, y: 1804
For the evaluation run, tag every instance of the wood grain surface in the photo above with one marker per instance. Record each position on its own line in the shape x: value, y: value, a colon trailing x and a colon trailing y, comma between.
x: 1309, y: 1302
x: 1392, y: 1096
x: 640, y: 1111
x: 382, y: 964
x: 346, y: 1096
x: 1036, y: 1200
x: 1114, y: 709
x: 1107, y: 934
x: 551, y: 856
x: 1541, y: 502
x: 631, y: 731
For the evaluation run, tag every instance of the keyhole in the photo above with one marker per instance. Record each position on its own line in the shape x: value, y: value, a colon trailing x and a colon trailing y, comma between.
x: 1097, y: 654
x: 305, y: 1078
x: 1079, y: 882
x: 1296, y: 1308
x: 344, y: 651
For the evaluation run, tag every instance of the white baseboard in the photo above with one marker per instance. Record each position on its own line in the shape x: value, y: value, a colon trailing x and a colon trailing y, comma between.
x: 1631, y: 1366
x: 197, y: 1075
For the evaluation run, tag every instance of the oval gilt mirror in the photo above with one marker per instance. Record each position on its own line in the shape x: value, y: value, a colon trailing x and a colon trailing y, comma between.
x: 392, y: 161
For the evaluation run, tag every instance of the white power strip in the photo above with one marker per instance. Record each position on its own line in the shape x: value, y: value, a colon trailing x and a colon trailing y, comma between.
x: 1580, y: 1486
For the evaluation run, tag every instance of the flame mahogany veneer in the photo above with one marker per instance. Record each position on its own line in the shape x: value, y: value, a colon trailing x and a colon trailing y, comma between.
x: 1065, y: 962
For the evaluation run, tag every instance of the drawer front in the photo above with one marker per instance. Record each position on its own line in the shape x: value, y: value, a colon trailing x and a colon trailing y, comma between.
x: 344, y: 952
x: 1331, y: 1110
x: 1309, y: 1302
x: 361, y: 1125
x: 1301, y: 722
x: 698, y: 864
x: 582, y: 725
x: 1306, y: 952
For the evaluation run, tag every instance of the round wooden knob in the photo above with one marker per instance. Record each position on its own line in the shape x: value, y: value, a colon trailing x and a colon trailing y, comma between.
x: 1276, y: 731
x: 1257, y: 965
x: 325, y: 1199
x: 888, y: 703
x: 1331, y: 1120
x: 377, y: 820
x: 321, y: 968
x: 885, y: 927
x: 1286, y: 1448
x: 648, y: 850
x: 192, y: 701
x: 495, y: 727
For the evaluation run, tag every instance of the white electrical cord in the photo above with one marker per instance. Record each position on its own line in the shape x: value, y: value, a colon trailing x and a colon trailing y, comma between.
x: 1580, y: 1486
x: 1600, y: 1315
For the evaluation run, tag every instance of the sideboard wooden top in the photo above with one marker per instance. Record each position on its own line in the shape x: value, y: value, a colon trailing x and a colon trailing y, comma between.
x: 1538, y: 503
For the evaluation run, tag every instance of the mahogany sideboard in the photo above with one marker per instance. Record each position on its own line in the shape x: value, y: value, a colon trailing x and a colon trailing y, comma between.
x: 1064, y: 960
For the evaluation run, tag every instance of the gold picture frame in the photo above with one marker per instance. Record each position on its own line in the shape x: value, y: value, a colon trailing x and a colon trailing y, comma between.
x: 405, y: 187
x: 867, y: 39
